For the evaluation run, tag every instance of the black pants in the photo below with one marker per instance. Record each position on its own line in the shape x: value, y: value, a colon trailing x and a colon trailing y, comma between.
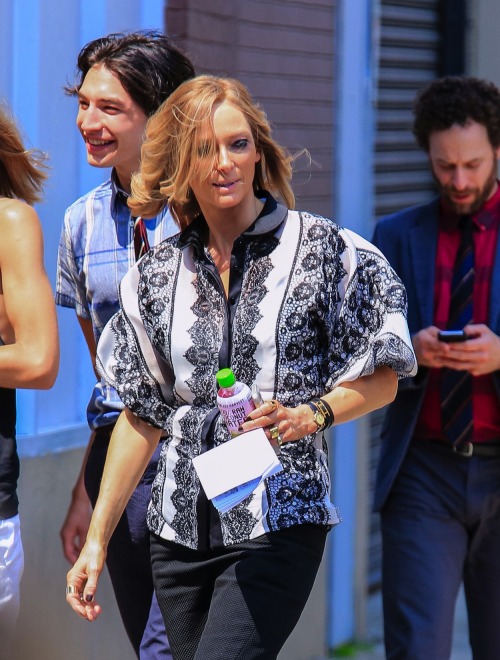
x: 240, y: 602
x: 128, y: 558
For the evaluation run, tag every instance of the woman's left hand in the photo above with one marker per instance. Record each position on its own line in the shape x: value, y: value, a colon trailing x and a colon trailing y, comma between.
x: 81, y: 581
x: 281, y: 424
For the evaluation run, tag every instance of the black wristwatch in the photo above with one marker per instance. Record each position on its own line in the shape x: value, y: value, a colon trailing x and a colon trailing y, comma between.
x: 322, y: 413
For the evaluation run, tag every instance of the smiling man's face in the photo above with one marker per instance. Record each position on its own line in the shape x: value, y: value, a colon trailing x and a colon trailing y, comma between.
x: 111, y: 123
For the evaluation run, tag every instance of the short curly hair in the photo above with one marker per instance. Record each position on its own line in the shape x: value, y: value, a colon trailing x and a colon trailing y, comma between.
x: 457, y: 100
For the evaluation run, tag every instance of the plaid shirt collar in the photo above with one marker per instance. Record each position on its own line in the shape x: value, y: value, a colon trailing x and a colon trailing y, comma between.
x: 118, y: 195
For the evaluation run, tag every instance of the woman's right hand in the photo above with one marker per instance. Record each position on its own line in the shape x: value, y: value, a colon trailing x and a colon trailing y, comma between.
x: 82, y: 579
x: 281, y: 424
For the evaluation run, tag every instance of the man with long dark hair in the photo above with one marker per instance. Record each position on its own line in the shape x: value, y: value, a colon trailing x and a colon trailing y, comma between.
x: 122, y: 80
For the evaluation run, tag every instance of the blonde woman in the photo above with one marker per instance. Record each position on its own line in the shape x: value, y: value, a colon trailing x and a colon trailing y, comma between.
x: 310, y: 312
x: 29, y: 349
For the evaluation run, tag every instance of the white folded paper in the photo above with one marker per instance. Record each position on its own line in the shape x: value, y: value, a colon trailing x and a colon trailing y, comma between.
x: 231, y: 471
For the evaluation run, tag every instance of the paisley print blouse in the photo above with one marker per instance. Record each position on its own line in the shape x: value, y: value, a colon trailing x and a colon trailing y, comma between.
x: 310, y: 305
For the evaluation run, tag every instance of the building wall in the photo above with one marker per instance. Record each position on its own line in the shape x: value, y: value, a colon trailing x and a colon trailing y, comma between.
x: 47, y: 628
x: 408, y: 58
x: 483, y: 46
x: 283, y: 50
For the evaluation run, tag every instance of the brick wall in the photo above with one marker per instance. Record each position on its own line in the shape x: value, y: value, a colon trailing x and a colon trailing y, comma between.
x: 283, y: 50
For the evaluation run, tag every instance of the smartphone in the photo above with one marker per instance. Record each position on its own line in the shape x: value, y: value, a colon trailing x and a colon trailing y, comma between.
x: 452, y: 336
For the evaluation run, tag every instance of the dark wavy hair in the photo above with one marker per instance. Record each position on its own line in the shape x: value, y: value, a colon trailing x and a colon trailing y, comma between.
x: 457, y: 100
x: 146, y: 63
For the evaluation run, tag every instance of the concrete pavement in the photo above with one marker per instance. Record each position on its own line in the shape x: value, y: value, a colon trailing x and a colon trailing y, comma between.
x: 460, y: 649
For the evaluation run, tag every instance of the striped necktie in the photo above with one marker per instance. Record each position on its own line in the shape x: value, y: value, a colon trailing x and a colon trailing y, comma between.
x: 141, y: 243
x: 456, y: 386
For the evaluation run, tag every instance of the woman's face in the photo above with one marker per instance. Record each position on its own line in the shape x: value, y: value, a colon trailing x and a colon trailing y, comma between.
x: 230, y: 182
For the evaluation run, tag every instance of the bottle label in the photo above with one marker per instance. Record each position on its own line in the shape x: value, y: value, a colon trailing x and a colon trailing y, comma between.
x: 235, y: 409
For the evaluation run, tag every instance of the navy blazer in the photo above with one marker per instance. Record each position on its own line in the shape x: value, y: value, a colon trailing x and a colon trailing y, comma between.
x: 408, y: 239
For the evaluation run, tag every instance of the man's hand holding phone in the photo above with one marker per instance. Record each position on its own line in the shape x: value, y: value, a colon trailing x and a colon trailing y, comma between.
x: 479, y: 354
x: 475, y: 349
x: 430, y: 351
x: 452, y: 336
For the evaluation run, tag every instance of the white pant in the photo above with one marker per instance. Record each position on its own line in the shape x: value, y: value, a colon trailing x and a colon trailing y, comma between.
x: 11, y: 570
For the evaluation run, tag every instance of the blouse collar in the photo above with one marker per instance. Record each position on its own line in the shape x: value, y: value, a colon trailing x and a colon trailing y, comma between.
x: 268, y: 220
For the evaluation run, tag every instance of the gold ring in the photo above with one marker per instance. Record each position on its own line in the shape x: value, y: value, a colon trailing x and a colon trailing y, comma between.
x: 275, y: 434
x: 274, y: 405
x: 71, y: 589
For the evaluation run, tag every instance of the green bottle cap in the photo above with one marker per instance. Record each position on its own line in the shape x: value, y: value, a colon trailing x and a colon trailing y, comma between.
x: 225, y: 378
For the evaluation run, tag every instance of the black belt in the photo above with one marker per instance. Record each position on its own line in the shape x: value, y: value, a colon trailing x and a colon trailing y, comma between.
x: 468, y: 449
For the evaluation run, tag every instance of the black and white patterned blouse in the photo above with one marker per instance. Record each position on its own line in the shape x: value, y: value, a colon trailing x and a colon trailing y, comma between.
x: 310, y: 305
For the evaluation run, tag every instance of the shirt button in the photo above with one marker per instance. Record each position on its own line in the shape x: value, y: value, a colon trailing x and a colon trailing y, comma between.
x: 232, y: 301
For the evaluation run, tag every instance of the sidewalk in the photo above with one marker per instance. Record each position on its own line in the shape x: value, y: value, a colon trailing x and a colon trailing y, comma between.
x: 460, y: 649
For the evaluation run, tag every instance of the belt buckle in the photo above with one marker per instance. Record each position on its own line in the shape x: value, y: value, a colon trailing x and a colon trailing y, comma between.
x: 465, y: 449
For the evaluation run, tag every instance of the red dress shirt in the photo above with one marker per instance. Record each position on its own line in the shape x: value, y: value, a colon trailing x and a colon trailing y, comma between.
x: 485, y: 404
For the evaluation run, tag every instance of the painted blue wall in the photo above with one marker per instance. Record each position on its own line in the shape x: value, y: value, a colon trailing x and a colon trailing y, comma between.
x: 39, y: 44
x: 353, y: 148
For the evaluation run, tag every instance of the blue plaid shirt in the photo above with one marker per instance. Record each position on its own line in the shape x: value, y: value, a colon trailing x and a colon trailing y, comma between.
x: 96, y: 249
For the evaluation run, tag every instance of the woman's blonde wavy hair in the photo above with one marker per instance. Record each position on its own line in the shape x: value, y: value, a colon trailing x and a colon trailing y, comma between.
x: 170, y: 156
x: 22, y: 171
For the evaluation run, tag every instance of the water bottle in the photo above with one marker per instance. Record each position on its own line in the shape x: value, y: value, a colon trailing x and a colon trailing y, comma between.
x: 234, y: 400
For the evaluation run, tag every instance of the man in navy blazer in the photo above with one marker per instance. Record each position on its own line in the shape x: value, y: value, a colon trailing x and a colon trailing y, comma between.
x: 439, y: 496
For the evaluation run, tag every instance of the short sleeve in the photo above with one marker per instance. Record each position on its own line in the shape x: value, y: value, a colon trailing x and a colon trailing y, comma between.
x: 371, y: 328
x: 127, y: 361
x: 69, y: 289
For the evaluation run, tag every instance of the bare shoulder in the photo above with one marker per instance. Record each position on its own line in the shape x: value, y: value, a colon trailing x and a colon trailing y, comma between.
x: 18, y: 221
x: 13, y: 211
x: 21, y: 238
x: 22, y: 272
